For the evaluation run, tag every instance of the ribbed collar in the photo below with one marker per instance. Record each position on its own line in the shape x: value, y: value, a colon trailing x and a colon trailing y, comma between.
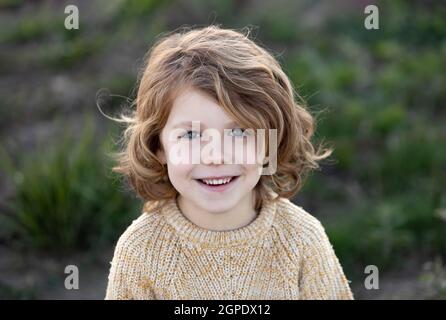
x: 198, y: 235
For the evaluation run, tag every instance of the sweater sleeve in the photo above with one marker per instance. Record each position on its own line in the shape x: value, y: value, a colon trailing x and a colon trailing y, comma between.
x: 125, y: 280
x: 321, y: 275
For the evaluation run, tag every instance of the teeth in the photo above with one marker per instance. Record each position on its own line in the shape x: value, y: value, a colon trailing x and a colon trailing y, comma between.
x: 216, y: 181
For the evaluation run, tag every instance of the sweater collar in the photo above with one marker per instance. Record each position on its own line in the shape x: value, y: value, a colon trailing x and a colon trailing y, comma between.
x: 196, y: 234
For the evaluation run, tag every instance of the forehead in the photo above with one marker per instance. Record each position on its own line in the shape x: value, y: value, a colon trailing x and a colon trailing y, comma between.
x: 194, y: 105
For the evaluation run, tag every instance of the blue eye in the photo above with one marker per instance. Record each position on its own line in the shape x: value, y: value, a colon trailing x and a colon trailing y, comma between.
x: 190, y: 134
x: 238, y: 132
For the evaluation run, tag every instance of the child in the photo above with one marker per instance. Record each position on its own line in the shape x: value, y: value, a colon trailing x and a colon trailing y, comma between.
x: 212, y: 228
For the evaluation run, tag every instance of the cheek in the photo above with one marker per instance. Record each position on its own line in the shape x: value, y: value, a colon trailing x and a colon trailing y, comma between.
x: 246, y: 152
x: 179, y: 153
x: 179, y: 174
x: 252, y: 174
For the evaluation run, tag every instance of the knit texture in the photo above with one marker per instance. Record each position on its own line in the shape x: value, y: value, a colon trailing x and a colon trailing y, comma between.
x: 284, y: 253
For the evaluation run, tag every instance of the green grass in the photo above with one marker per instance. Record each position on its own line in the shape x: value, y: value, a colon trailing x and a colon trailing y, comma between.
x: 381, y: 98
x: 384, y: 232
x: 66, y: 198
x: 434, y: 278
x: 31, y: 28
x: 137, y: 9
x: 12, y: 293
x: 64, y: 55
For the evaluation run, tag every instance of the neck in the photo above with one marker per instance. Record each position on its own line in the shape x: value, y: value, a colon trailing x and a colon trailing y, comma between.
x: 239, y: 216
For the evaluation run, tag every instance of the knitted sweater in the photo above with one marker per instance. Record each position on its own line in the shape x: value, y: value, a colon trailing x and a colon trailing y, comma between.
x: 284, y: 253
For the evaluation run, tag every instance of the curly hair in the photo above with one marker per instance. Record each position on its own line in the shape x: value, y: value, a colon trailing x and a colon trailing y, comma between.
x: 246, y: 81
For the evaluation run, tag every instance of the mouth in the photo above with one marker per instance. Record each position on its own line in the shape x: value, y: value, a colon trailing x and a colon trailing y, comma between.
x: 217, y: 184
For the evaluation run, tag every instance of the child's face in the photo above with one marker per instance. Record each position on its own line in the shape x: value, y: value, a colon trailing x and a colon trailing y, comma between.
x: 180, y: 133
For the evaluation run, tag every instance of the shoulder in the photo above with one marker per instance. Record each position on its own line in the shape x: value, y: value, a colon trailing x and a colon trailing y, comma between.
x: 298, y: 224
x: 130, y: 257
x: 299, y: 236
x: 140, y: 232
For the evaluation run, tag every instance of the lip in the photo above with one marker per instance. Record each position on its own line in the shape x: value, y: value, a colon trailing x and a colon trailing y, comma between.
x: 220, y: 188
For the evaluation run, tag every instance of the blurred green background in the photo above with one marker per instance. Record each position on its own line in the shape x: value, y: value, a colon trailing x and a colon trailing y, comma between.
x: 379, y: 97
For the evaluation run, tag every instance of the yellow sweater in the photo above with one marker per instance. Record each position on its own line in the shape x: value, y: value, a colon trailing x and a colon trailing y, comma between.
x: 284, y: 253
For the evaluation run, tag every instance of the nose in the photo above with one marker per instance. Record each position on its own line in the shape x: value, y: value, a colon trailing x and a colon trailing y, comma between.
x: 214, y: 150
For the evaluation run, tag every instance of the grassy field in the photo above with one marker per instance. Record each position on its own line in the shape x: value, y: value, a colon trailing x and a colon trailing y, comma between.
x: 379, y: 97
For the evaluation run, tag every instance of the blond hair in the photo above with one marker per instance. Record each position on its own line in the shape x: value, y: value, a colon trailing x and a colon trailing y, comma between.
x: 248, y: 83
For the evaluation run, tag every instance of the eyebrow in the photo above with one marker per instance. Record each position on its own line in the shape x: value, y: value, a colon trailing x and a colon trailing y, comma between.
x: 188, y: 124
